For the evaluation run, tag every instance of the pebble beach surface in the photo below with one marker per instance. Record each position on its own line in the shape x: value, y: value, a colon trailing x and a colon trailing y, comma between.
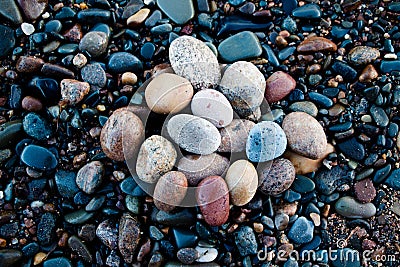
x: 199, y: 132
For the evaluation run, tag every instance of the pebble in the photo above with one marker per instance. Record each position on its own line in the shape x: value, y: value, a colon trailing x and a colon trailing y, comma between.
x: 194, y: 60
x: 78, y: 247
x: 73, y: 91
x: 122, y: 134
x: 107, y: 232
x: 29, y: 64
x: 9, y: 257
x: 9, y: 11
x: 184, y: 217
x: 168, y: 93
x: 364, y: 191
x: 196, y: 167
x: 138, y: 18
x: 212, y: 106
x: 393, y: 180
x: 351, y: 261
x: 305, y: 135
x: 386, y: 66
x: 9, y: 132
x: 184, y: 237
x: 281, y: 221
x: 95, y: 203
x: 245, y: 241
x: 351, y: 208
x: 362, y: 55
x: 244, y: 86
x: 316, y: 44
x: 179, y: 11
x: 94, y: 74
x: 129, y: 237
x: 379, y: 115
x: 129, y: 78
x: 266, y: 141
x: 305, y: 106
x: 66, y: 185
x: 308, y: 12
x: 59, y: 262
x: 170, y: 191
x: 7, y: 40
x: 30, y: 103
x: 90, y: 176
x: 243, y: 45
x: 368, y: 74
x: 78, y: 217
x: 194, y: 134
x: 95, y: 43
x: 213, y: 199
x: 234, y: 136
x: 187, y: 255
x: 276, y: 177
x: 353, y: 149
x: 32, y: 8
x: 347, y: 72
x: 328, y: 180
x: 278, y: 86
x: 121, y: 62
x: 156, y: 157
x: 46, y: 229
x: 93, y: 16
x: 302, y: 231
x: 242, y: 181
x: 39, y: 158
x: 37, y: 127
x: 27, y: 28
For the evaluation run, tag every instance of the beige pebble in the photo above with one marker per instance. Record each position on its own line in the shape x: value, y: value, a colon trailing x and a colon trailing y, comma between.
x: 79, y: 60
x: 129, y: 78
x: 39, y: 258
x: 138, y: 18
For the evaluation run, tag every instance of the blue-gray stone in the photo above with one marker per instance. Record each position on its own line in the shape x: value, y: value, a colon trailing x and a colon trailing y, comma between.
x: 303, y: 184
x: 205, y: 20
x: 78, y: 217
x: 10, y: 132
x: 245, y: 241
x: 59, y: 262
x: 102, y: 27
x: 67, y: 49
x: 182, y: 218
x: 65, y: 181
x: 328, y: 180
x: 235, y: 23
x: 184, y: 238
x: 7, y: 40
x: 94, y: 15
x: 286, y: 52
x: 37, y: 127
x: 243, y: 45
x: 236, y: 2
x: 179, y: 11
x: 347, y: 72
x: 147, y: 50
x: 203, y: 6
x: 382, y: 173
x: 46, y: 229
x: 161, y: 29
x: 346, y: 257
x: 389, y: 66
x: 153, y: 19
x: 95, y: 203
x: 320, y: 100
x: 9, y: 257
x: 394, y: 6
x: 289, y: 6
x: 393, y: 180
x: 155, y: 234
x: 308, y: 11
x: 9, y: 11
x: 291, y: 263
x: 302, y: 231
x: 273, y: 60
x: 341, y: 127
x: 30, y: 250
x: 94, y: 74
x: 379, y: 115
x: 289, y: 24
x: 39, y: 158
x: 132, y: 204
x: 121, y: 62
x: 339, y: 32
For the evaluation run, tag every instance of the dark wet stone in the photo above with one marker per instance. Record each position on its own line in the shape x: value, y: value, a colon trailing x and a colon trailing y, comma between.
x: 30, y: 249
x: 308, y: 11
x: 343, y: 261
x: 303, y: 184
x: 352, y: 149
x: 379, y: 115
x: 361, y: 55
x: 341, y: 127
x: 371, y: 93
x: 184, y: 238
x: 9, y: 257
x: 81, y: 198
x: 289, y: 24
x: 153, y: 19
x: 351, y: 208
x: 273, y: 60
x: 38, y: 158
x: 95, y: 43
x: 59, y: 262
x: 9, y: 11
x: 107, y: 232
x: 90, y: 176
x: 7, y: 40
x: 182, y: 218
x: 94, y: 74
x: 347, y: 72
x: 10, y: 132
x: 240, y: 46
x: 338, y: 32
x: 236, y: 2
x: 15, y: 97
x: 36, y: 189
x: 95, y: 203
x: 202, y: 6
x: 58, y: 71
x: 94, y: 15
x: 53, y: 26
x: 131, y: 8
x: 155, y: 234
x: 320, y: 100
x: 46, y: 229
x: 66, y: 13
x: 289, y: 6
x: 248, y: 8
x: 393, y: 129
x: 389, y: 66
x: 327, y: 181
x: 65, y: 182
x: 245, y: 241
x: 302, y: 231
x: 9, y: 230
x: 46, y: 89
x: 78, y: 217
x: 381, y: 174
x: 187, y: 255
x: 393, y: 180
x: 147, y: 50
x: 161, y: 29
x: 67, y: 49
x: 129, y: 236
x: 179, y: 11
x: 37, y: 127
x: 121, y: 62
x: 286, y: 52
x: 234, y: 24
x: 79, y: 248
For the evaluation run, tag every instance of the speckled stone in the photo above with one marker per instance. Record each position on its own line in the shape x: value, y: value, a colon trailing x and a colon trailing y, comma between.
x: 242, y: 181
x: 276, y: 177
x: 212, y: 106
x: 266, y: 141
x: 73, y: 91
x: 364, y: 190
x: 194, y: 134
x: 234, y: 136
x: 129, y: 236
x: 362, y: 55
x: 194, y: 60
x: 305, y: 135
x: 168, y: 93
x: 196, y: 167
x: 305, y: 106
x: 316, y: 44
x: 33, y: 8
x: 95, y: 43
x: 212, y: 196
x: 244, y: 86
x: 170, y: 190
x: 90, y: 176
x: 302, y: 231
x: 279, y: 85
x: 156, y: 157
x: 122, y: 133
x: 350, y: 208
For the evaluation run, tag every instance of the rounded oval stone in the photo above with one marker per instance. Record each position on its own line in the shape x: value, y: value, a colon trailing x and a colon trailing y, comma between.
x: 350, y: 208
x: 198, y: 167
x: 170, y: 190
x: 276, y: 177
x: 122, y: 133
x: 194, y: 134
x: 37, y: 127
x: 212, y: 106
x: 95, y: 43
x: 90, y: 176
x: 266, y: 141
x: 242, y: 181
x: 194, y: 60
x: 244, y: 86
x: 362, y: 55
x: 234, y: 136
x: 305, y: 135
x: 213, y: 199
x: 156, y: 157
x: 316, y: 44
x: 168, y: 93
x: 39, y: 158
x: 278, y: 85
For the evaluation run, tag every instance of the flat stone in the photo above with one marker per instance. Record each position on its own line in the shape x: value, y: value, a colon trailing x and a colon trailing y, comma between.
x: 278, y: 86
x: 95, y: 43
x: 107, y: 232
x: 59, y: 262
x: 78, y: 247
x: 347, y: 72
x: 184, y: 217
x: 129, y: 236
x: 170, y: 190
x: 10, y: 132
x: 94, y: 15
x: 230, y: 24
x: 29, y: 64
x: 39, y: 158
x: 121, y: 62
x: 179, y: 11
x: 245, y: 241
x: 7, y: 40
x: 242, y: 181
x: 78, y: 217
x: 350, y: 208
x: 362, y: 55
x: 276, y: 177
x: 131, y: 8
x: 393, y: 180
x: 9, y: 10
x: 350, y: 261
x: 46, y: 229
x: 307, y: 12
x: 243, y: 45
x: 65, y: 181
x: 94, y: 74
x: 389, y: 66
x: 379, y: 115
x: 53, y: 70
x: 184, y: 237
x: 328, y: 180
x: 305, y: 106
x: 302, y: 231
x: 234, y: 136
x: 9, y: 257
x: 138, y: 18
x: 316, y: 44
x: 289, y: 6
x: 32, y: 104
x: 32, y: 8
x: 90, y: 176
x: 352, y: 149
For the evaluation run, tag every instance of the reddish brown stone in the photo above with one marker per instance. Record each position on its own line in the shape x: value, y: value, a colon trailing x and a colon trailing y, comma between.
x: 368, y: 74
x: 57, y: 71
x: 213, y: 199
x: 364, y: 191
x: 29, y: 64
x: 32, y: 8
x: 278, y: 85
x: 31, y: 104
x: 74, y: 34
x: 129, y: 236
x: 170, y: 190
x: 276, y: 177
x: 316, y: 44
